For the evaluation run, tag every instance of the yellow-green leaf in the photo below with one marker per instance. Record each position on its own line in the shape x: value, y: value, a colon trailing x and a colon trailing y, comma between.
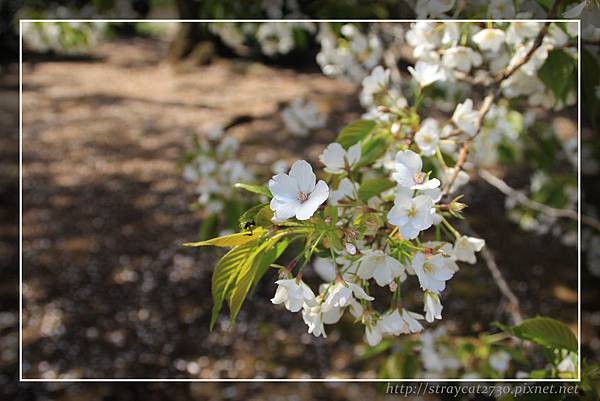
x: 225, y: 275
x: 231, y: 239
x: 255, y: 189
x: 246, y: 277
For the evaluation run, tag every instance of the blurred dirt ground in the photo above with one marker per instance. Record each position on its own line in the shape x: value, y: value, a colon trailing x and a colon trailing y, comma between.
x: 109, y: 292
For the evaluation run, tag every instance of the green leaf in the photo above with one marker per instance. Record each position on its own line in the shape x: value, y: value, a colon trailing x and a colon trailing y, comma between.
x: 546, y: 332
x: 374, y: 187
x: 264, y: 216
x: 373, y: 150
x: 225, y: 275
x: 261, y: 215
x: 250, y: 214
x: 355, y: 132
x: 559, y: 73
x: 246, y: 277
x: 255, y: 189
x: 230, y: 240
x: 269, y: 257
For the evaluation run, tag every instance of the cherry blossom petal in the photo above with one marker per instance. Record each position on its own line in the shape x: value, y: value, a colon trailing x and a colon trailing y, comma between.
x: 354, y: 153
x: 283, y: 187
x: 302, y: 172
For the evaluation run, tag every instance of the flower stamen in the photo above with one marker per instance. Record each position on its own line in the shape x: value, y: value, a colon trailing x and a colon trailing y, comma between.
x: 302, y: 197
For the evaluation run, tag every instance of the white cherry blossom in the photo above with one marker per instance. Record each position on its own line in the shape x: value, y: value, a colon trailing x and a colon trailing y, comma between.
x: 423, y: 36
x: 465, y: 117
x: 374, y: 84
x: 432, y: 272
x: 520, y: 31
x: 465, y: 248
x: 461, y: 58
x: 356, y: 309
x: 404, y: 322
x: 301, y: 116
x: 297, y: 194
x: 228, y: 146
x: 341, y: 294
x: 336, y: 159
x: 445, y: 249
x: 411, y: 215
x: 451, y: 34
x: 393, y: 323
x: 373, y: 334
x: 426, y: 73
x: 346, y: 190
x: 490, y: 39
x: 383, y: 268
x: 432, y: 306
x: 313, y: 317
x: 293, y: 293
x: 412, y: 321
x: 331, y: 316
x: 318, y: 314
x: 408, y: 174
x: 428, y: 136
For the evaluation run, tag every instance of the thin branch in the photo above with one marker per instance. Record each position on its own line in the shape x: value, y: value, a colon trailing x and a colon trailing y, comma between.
x: 520, y: 197
x: 514, y: 308
x: 513, y: 302
x: 536, y: 44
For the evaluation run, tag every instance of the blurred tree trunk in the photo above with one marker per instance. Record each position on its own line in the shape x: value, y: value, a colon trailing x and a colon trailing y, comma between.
x: 190, y: 35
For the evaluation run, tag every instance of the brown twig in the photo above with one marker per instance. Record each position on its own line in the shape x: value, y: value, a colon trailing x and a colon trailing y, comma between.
x: 512, y: 193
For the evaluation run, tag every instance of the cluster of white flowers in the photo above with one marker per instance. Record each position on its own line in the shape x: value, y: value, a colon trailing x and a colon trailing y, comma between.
x: 351, y: 55
x: 377, y: 91
x: 278, y: 37
x: 274, y: 38
x: 385, y: 188
x: 299, y: 195
x: 440, y: 357
x: 444, y: 51
x: 62, y: 37
x: 214, y: 168
x: 437, y: 358
x: 301, y: 116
